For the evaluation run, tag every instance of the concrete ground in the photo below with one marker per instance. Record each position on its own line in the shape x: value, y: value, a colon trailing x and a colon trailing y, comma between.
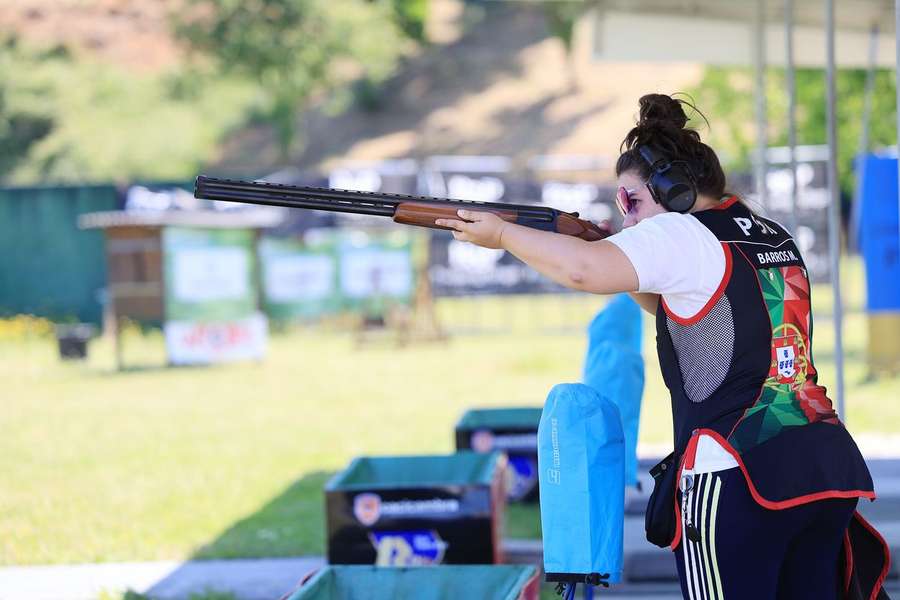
x: 649, y: 571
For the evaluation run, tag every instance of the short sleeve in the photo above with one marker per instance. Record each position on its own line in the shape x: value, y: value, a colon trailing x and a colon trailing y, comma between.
x: 676, y: 256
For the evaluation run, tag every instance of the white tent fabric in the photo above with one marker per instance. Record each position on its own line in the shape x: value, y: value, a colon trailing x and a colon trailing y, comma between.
x: 721, y: 31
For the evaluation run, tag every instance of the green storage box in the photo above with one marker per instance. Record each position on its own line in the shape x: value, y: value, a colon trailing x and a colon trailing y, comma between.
x: 417, y: 510
x: 484, y: 582
x: 512, y: 430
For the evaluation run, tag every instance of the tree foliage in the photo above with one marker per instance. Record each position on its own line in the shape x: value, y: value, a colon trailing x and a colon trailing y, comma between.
x: 410, y: 15
x: 67, y: 118
x: 726, y: 97
x: 26, y: 108
x: 294, y: 49
x: 561, y: 19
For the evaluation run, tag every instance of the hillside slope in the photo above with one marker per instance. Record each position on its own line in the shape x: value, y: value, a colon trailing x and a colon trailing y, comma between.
x: 505, y: 87
x: 128, y: 33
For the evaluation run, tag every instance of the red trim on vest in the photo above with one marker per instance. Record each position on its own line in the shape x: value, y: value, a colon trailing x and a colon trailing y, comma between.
x: 848, y: 561
x: 677, y: 539
x: 691, y: 452
x: 687, y: 461
x: 726, y: 277
x: 790, y: 502
x: 879, y: 583
x: 727, y: 204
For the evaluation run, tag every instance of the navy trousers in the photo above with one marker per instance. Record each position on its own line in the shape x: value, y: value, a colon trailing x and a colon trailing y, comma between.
x: 747, y: 552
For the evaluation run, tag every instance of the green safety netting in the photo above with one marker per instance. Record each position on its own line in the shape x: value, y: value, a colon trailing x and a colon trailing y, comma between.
x: 58, y: 280
x: 449, y: 582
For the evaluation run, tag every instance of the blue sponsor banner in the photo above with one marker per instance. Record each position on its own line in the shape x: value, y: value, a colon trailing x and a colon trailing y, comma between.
x: 524, y: 476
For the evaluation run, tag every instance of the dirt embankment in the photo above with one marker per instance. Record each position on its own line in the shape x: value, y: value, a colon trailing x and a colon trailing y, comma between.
x: 505, y: 87
x: 134, y: 34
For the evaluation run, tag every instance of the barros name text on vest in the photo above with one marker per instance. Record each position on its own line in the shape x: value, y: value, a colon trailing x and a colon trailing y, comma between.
x: 781, y: 256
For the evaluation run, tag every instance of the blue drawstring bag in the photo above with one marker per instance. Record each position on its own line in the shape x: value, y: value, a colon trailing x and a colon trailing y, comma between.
x: 581, y: 452
x: 614, y: 367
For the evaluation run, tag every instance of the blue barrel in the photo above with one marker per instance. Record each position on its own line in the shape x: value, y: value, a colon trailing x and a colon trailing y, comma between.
x: 879, y: 235
x: 879, y: 232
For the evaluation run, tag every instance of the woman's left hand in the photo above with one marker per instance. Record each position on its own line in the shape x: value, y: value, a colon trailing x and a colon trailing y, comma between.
x: 481, y: 228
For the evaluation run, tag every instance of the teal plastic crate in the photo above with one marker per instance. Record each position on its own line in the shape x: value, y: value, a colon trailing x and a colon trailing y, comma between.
x: 450, y: 582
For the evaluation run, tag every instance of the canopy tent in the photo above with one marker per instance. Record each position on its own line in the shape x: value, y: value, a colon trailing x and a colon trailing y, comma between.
x: 723, y: 32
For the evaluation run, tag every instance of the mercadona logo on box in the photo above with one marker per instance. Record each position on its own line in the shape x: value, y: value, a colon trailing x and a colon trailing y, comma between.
x: 368, y: 507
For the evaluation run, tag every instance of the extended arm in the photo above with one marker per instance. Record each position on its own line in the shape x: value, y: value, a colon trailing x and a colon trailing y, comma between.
x: 646, y: 300
x: 597, y: 267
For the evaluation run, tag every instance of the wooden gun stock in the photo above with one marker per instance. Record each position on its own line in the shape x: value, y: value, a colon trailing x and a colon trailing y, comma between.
x: 424, y: 215
x: 571, y: 225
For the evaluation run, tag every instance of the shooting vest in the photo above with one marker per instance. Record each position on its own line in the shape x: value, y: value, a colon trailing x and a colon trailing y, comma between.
x: 741, y: 370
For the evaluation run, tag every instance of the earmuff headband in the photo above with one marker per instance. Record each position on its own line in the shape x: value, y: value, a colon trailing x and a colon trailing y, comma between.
x: 671, y: 182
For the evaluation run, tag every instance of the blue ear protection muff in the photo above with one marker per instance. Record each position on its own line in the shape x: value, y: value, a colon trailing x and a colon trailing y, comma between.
x: 671, y: 182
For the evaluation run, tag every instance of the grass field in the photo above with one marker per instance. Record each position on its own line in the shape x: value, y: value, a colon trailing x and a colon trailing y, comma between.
x: 229, y: 461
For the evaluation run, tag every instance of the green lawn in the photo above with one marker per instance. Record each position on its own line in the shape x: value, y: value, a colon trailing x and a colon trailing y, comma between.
x: 229, y: 461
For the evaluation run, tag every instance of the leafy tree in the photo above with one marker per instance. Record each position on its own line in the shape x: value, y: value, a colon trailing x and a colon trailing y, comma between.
x: 293, y: 49
x: 561, y: 18
x: 726, y: 96
x: 90, y: 121
x: 26, y: 111
x: 410, y: 16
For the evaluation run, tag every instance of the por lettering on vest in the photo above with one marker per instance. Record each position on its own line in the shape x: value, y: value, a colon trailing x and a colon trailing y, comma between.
x: 744, y: 224
x: 747, y: 224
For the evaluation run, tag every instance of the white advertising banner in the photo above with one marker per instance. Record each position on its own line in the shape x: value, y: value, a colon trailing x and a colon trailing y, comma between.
x: 376, y: 272
x: 204, y: 342
x: 209, y: 274
x: 289, y: 278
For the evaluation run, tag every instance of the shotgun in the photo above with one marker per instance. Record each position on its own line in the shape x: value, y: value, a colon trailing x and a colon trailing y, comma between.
x: 408, y: 210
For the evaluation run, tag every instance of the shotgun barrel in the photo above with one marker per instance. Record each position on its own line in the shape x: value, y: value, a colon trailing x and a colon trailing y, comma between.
x: 402, y: 208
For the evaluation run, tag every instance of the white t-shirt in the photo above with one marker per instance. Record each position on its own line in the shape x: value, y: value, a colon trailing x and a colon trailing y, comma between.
x: 677, y: 257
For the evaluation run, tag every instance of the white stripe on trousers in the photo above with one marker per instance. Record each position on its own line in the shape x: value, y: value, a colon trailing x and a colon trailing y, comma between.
x: 684, y: 549
x: 698, y: 550
x: 690, y: 568
x: 705, y: 541
x: 701, y: 568
x: 692, y: 547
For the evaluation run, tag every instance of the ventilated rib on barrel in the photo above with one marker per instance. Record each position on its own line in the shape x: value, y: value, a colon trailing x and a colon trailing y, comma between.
x: 402, y: 208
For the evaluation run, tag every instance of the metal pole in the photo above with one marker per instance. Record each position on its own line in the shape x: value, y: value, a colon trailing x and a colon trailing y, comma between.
x: 855, y: 208
x: 792, y: 109
x: 761, y: 135
x: 834, y: 212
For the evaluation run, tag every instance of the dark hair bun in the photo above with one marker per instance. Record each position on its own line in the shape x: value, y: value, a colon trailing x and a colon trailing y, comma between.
x: 662, y: 126
x: 660, y: 110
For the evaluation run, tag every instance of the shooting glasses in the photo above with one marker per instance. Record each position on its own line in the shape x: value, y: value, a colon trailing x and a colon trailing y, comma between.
x: 624, y: 201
